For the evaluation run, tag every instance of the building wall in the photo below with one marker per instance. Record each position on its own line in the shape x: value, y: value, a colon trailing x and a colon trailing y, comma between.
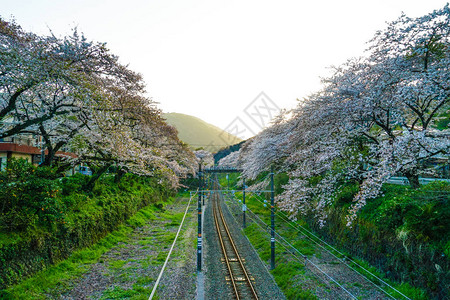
x: 21, y: 155
x: 3, y: 160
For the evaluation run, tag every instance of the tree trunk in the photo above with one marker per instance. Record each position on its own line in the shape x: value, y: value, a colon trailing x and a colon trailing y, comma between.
x: 119, y: 175
x: 52, y: 153
x: 49, y: 157
x: 62, y: 168
x: 90, y: 184
x: 413, y: 179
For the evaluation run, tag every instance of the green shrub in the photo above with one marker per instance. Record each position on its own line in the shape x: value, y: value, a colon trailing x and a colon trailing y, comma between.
x: 29, y: 197
x: 430, y: 221
x: 280, y: 179
x: 424, y: 212
x: 44, y: 219
x: 403, y: 232
x: 72, y: 184
x: 346, y: 193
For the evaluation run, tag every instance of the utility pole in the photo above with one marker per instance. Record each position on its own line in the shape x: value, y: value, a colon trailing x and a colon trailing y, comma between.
x: 205, y: 186
x: 199, y: 208
x: 272, y: 221
x: 42, y: 151
x: 244, y: 207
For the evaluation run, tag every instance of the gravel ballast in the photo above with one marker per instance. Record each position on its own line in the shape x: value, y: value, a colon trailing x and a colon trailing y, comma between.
x: 216, y: 287
x: 312, y: 280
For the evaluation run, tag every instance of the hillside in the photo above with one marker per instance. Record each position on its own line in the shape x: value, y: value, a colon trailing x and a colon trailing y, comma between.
x: 199, y: 133
x: 226, y: 151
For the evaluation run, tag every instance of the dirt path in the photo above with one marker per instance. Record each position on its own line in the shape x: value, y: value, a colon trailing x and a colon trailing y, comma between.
x: 129, y: 270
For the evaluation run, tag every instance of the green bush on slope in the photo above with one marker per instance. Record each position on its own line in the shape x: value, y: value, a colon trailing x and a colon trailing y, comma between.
x: 56, y: 217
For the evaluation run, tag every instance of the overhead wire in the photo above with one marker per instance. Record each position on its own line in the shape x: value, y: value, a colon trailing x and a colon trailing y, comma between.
x: 308, y: 234
x: 299, y: 227
x: 171, y: 249
x: 303, y: 256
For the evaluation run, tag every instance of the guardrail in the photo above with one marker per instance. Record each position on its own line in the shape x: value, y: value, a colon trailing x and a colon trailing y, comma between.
x: 404, y: 181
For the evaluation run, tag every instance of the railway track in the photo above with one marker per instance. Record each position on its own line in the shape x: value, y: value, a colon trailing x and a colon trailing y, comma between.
x: 239, y: 278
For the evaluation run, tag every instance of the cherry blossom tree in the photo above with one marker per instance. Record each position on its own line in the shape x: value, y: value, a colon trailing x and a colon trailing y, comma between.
x: 44, y: 76
x: 127, y: 130
x: 230, y: 161
x: 204, y: 157
x: 78, y: 97
x: 374, y: 117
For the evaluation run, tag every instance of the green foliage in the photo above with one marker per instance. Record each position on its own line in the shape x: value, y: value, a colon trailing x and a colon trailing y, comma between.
x: 424, y: 213
x: 73, y: 184
x: 413, y: 292
x: 443, y: 123
x: 76, y: 264
x: 280, y: 179
x: 56, y: 280
x: 403, y: 232
x: 189, y: 183
x: 29, y: 197
x: 447, y: 249
x: 227, y: 151
x: 52, y: 217
x: 346, y: 193
x: 231, y: 182
x: 314, y: 180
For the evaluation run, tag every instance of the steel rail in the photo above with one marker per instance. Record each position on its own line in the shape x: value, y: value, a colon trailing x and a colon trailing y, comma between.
x: 222, y: 244
x: 219, y: 214
x: 247, y: 277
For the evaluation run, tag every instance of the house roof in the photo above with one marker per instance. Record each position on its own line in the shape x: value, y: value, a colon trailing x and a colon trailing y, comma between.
x: 25, y: 149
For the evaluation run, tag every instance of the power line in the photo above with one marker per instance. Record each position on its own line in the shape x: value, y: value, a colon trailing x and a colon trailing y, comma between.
x: 170, y: 251
x: 303, y: 256
x: 289, y: 222
x: 299, y: 227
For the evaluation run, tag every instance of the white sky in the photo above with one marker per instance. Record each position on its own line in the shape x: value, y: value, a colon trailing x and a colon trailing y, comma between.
x: 211, y: 58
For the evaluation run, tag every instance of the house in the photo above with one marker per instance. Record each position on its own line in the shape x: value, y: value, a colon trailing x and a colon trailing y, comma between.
x: 25, y: 147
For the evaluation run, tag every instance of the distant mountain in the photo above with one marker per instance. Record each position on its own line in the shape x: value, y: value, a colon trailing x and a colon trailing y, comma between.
x: 200, y: 134
x: 226, y: 151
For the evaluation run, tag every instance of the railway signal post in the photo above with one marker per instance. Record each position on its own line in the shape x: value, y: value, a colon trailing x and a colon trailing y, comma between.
x: 199, y: 208
x: 244, y: 207
x: 272, y: 221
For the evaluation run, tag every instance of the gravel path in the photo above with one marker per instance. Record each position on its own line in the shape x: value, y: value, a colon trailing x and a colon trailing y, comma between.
x: 129, y: 270
x: 215, y: 270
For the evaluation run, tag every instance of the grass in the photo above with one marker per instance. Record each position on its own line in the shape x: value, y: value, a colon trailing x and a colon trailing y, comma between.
x: 404, y: 288
x: 76, y: 219
x: 117, y: 264
x: 136, y: 293
x: 286, y: 271
x: 55, y: 278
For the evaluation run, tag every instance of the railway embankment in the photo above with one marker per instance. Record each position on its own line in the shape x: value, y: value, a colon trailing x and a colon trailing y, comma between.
x: 125, y: 263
